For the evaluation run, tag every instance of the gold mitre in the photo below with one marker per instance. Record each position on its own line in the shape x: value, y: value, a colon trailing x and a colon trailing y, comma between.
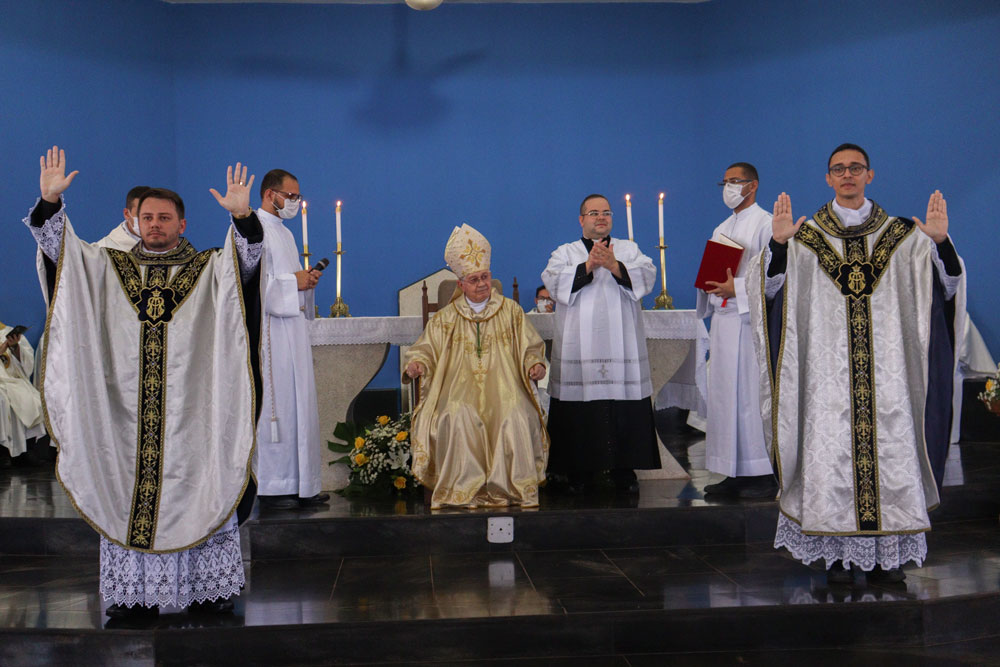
x: 467, y: 251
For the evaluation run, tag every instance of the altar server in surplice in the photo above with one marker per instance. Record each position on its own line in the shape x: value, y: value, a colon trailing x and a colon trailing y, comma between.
x: 601, y: 414
x: 288, y: 468
x: 734, y: 434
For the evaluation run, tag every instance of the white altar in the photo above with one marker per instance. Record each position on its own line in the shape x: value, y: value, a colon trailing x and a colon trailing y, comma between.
x: 348, y: 353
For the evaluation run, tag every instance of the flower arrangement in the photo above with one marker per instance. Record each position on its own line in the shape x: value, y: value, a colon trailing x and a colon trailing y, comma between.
x: 991, y: 396
x: 378, y: 455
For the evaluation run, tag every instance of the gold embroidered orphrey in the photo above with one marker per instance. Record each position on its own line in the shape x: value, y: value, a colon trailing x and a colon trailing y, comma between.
x: 155, y: 301
x: 857, y: 275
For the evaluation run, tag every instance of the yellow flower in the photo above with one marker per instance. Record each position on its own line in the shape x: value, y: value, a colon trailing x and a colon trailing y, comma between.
x: 359, y: 442
x: 383, y: 420
x: 360, y: 459
x: 990, y: 384
x: 402, y: 436
x: 399, y: 482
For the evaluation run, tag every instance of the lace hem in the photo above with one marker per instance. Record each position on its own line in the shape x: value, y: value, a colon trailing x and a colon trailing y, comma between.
x: 889, y: 551
x: 208, y: 572
x: 49, y: 235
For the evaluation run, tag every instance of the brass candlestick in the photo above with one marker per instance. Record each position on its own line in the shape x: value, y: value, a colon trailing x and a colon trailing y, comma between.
x: 305, y: 256
x: 664, y: 301
x: 339, y: 308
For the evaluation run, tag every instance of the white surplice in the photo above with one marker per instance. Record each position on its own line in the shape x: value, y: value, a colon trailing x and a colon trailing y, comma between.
x: 20, y: 401
x: 599, y: 349
x: 119, y: 238
x: 734, y: 437
x: 289, y: 442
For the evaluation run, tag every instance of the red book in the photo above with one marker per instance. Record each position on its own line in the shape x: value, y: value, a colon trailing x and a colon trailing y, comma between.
x: 719, y: 256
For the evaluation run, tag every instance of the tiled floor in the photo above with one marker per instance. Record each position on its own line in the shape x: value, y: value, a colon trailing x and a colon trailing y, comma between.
x: 964, y: 560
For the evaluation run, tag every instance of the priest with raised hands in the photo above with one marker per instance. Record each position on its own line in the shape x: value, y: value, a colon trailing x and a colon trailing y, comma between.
x: 854, y: 313
x: 478, y: 434
x: 150, y: 394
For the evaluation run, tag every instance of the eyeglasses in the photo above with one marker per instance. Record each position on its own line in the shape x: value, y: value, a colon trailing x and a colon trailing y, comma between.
x: 478, y: 280
x: 734, y: 181
x: 290, y: 196
x: 599, y: 214
x: 855, y: 169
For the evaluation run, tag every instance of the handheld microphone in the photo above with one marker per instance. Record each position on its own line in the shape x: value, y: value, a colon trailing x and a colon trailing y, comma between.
x: 321, y: 264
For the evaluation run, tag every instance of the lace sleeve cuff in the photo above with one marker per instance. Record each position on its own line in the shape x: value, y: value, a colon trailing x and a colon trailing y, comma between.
x: 48, y: 232
x: 249, y: 255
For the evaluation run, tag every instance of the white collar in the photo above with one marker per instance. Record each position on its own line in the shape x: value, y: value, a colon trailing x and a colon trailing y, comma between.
x: 269, y: 217
x: 477, y: 307
x: 853, y: 217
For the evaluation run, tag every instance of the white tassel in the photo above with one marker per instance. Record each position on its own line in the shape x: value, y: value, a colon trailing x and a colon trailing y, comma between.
x: 274, y: 430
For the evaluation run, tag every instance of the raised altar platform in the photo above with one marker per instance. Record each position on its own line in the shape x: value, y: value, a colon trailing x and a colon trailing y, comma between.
x: 669, y: 577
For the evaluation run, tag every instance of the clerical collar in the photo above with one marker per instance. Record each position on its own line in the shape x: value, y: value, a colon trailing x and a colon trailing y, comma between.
x: 853, y: 217
x: 478, y: 307
x: 589, y: 243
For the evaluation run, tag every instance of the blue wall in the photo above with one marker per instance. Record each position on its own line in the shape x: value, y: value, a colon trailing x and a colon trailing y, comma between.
x: 500, y: 115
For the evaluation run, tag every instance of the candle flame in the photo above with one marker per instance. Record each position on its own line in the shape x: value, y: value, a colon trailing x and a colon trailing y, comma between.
x: 304, y: 204
x: 662, y: 196
x: 338, y: 203
x: 628, y: 199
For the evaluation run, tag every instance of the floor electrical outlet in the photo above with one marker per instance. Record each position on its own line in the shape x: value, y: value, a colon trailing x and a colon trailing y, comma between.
x: 500, y: 529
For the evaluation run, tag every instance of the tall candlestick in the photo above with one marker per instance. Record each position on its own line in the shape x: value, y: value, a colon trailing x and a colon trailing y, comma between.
x: 628, y: 214
x: 661, y: 218
x: 338, y: 224
x: 305, y: 234
x: 305, y: 226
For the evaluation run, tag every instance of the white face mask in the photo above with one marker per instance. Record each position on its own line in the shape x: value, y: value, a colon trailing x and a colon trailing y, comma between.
x: 135, y: 226
x: 289, y: 210
x: 732, y: 194
x: 543, y: 305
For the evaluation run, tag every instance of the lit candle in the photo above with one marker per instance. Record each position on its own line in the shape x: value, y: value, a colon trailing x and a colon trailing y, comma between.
x: 661, y: 218
x: 628, y: 214
x: 305, y: 228
x: 338, y: 224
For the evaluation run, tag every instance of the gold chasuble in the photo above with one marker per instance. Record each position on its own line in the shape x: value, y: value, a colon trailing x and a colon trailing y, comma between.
x: 844, y: 413
x: 478, y: 434
x: 148, y: 390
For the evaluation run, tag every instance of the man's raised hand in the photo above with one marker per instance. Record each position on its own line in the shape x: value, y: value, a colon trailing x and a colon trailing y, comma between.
x: 936, y: 226
x: 782, y: 227
x: 53, y: 180
x: 237, y: 199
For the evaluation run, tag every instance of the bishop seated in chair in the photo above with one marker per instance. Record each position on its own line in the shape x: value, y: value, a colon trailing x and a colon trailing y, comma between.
x: 478, y: 434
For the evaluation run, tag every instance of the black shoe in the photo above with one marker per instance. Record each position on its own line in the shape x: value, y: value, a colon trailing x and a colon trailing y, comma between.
x: 134, y: 612
x: 730, y: 486
x: 278, y: 502
x: 892, y: 576
x: 838, y: 574
x: 220, y: 606
x: 318, y: 499
x: 761, y: 486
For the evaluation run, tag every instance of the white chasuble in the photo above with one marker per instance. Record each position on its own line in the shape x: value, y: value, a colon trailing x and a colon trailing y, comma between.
x: 599, y: 349
x: 844, y: 416
x: 148, y: 390
x: 734, y: 436
x: 478, y: 434
x: 288, y: 456
x: 20, y: 401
